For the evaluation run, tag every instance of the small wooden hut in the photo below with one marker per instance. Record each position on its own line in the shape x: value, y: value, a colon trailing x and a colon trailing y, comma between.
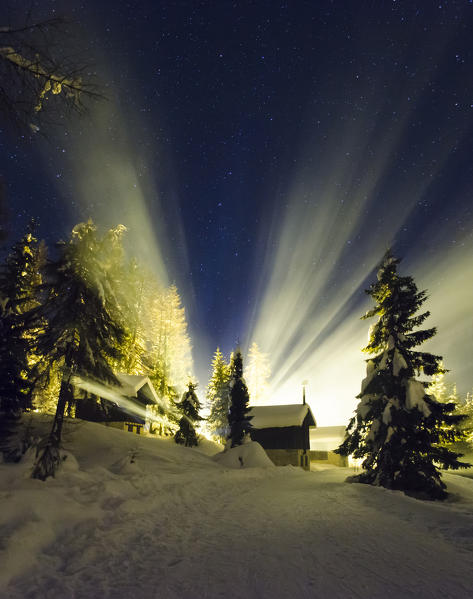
x: 123, y: 407
x: 284, y: 433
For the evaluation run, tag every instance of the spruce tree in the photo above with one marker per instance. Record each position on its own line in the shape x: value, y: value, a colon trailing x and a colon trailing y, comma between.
x: 467, y: 425
x: 132, y: 283
x: 238, y: 418
x: 258, y: 373
x: 189, y: 407
x: 218, y: 396
x: 19, y: 281
x: 399, y: 430
x: 78, y: 324
x: 170, y: 348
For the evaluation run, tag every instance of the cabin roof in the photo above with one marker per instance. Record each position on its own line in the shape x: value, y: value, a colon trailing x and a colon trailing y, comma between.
x: 132, y: 383
x: 280, y: 416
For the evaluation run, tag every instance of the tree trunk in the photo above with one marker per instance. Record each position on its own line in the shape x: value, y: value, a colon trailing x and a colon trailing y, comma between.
x: 48, y: 458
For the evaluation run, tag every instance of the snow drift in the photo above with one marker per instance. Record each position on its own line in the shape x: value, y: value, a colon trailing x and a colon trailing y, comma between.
x: 129, y: 516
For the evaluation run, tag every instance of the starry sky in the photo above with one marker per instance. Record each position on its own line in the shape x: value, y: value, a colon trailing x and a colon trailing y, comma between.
x: 263, y: 156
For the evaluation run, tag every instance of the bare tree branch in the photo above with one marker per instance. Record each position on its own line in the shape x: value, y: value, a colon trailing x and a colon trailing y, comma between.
x: 41, y: 77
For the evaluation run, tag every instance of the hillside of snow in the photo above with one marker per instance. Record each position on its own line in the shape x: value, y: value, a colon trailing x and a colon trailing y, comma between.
x: 137, y: 517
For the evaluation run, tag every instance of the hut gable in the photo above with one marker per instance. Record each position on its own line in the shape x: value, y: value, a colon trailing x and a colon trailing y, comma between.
x: 281, y: 416
x: 125, y: 405
x: 283, y: 431
x: 139, y: 387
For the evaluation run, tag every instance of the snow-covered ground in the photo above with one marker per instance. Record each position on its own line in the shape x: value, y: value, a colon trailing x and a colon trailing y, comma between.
x: 178, y: 523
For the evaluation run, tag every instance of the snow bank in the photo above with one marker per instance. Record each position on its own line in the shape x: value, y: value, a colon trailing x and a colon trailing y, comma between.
x: 208, y: 447
x: 182, y: 525
x: 248, y: 455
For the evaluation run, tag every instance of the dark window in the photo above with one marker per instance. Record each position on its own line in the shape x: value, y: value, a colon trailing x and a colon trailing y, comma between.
x: 130, y: 428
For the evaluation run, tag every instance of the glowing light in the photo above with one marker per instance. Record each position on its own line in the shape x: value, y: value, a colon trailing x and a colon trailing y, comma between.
x: 344, y: 209
x: 115, y: 182
x: 113, y: 394
x: 112, y: 183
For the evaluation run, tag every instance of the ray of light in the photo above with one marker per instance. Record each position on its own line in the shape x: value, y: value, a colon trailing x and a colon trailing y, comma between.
x: 343, y: 211
x: 117, y: 179
x: 113, y: 183
x: 113, y: 395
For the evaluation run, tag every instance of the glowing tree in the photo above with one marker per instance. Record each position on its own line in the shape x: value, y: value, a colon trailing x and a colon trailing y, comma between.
x: 467, y: 425
x: 399, y: 429
x: 133, y: 303
x: 238, y: 418
x: 189, y: 408
x: 78, y: 326
x: 19, y: 282
x: 156, y: 342
x: 258, y: 373
x: 218, y: 397
x: 437, y: 386
x: 170, y: 351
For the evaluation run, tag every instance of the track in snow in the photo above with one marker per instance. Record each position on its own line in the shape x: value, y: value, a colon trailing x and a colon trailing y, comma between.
x: 276, y: 533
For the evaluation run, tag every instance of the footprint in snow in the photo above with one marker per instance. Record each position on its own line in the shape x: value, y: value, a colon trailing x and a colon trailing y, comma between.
x: 174, y: 562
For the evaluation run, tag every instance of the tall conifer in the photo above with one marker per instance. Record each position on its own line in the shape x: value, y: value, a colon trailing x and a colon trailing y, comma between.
x: 399, y: 430
x: 78, y: 325
x: 218, y: 396
x: 258, y: 373
x: 238, y: 418
x: 189, y: 408
x: 19, y: 281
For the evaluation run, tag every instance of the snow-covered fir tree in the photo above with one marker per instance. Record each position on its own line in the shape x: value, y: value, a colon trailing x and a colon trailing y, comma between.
x: 438, y: 386
x: 133, y: 303
x: 238, y: 419
x: 78, y: 326
x: 169, y: 343
x: 257, y: 374
x: 467, y: 424
x: 167, y: 357
x: 398, y: 429
x: 218, y: 397
x: 189, y: 407
x: 19, y: 282
x: 444, y: 393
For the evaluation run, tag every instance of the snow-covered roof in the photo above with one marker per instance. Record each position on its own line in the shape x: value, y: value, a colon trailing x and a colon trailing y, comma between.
x: 132, y: 383
x: 326, y: 438
x: 280, y: 416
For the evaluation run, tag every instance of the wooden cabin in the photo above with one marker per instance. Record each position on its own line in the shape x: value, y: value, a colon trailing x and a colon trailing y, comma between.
x: 123, y: 407
x: 284, y: 433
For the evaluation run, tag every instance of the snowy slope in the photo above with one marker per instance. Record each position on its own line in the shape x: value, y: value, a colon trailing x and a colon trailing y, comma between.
x: 176, y: 523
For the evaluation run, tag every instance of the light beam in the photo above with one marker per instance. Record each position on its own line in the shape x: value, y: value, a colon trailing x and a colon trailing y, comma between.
x: 356, y: 194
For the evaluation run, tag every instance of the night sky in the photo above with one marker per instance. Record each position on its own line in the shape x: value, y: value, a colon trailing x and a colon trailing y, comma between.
x: 264, y: 155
